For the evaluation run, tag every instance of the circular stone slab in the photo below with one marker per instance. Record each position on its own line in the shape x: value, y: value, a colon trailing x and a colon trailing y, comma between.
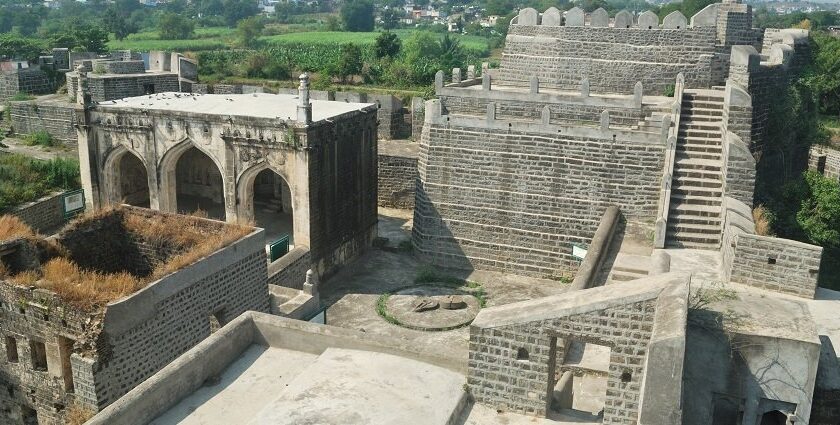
x: 400, y: 306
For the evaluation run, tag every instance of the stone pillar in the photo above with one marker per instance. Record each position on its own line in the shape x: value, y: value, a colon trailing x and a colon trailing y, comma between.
x: 485, y: 81
x: 82, y: 92
x: 456, y: 75
x: 471, y: 72
x: 304, y: 109
x: 584, y: 87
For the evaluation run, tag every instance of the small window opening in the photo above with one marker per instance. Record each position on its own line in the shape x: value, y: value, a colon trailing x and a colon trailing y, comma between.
x: 39, y: 355
x: 521, y: 354
x: 217, y: 320
x: 626, y: 376
x: 11, y: 349
x: 821, y: 164
x: 148, y: 88
x: 771, y: 260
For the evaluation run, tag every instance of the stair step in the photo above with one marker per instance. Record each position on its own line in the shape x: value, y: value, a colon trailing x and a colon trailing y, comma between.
x: 690, y: 245
x: 682, y: 154
x: 624, y: 277
x: 690, y: 146
x: 702, y: 110
x: 699, y: 125
x: 695, y: 210
x: 694, y: 199
x: 683, y: 190
x: 679, y: 220
x: 696, y: 182
x: 700, y: 238
x: 705, y: 229
x: 697, y: 164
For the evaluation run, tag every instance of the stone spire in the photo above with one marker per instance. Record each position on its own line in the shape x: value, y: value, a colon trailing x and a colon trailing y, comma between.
x: 304, y: 109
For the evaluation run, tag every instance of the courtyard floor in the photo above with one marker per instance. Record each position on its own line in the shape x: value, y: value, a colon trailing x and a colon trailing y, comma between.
x: 352, y: 294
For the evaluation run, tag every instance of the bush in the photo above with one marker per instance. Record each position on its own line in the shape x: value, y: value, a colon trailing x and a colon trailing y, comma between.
x: 19, y: 97
x: 23, y: 179
x: 39, y: 138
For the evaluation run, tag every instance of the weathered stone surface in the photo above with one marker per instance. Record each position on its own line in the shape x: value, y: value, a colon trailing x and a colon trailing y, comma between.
x: 599, y: 18
x: 575, y: 17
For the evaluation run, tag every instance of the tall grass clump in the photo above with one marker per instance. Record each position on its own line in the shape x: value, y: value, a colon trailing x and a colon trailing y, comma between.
x: 23, y: 179
x: 12, y: 227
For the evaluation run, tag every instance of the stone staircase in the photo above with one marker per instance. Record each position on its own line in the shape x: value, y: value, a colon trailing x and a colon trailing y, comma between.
x: 694, y: 216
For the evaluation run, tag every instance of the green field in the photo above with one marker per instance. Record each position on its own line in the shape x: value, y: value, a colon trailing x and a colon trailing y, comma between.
x: 221, y: 38
x: 470, y: 42
x: 211, y: 38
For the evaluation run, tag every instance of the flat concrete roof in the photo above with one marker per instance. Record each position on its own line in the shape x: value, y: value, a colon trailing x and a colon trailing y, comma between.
x: 341, y: 386
x: 259, y: 105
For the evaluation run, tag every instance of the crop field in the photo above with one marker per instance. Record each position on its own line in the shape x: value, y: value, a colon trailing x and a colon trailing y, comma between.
x: 223, y: 38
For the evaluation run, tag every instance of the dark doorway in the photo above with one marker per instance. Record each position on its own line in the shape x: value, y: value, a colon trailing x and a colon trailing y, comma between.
x: 774, y: 417
x: 198, y: 185
x: 134, y: 183
x: 273, y: 206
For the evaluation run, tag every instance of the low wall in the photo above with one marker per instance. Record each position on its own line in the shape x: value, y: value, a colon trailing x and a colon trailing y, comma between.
x: 397, y: 174
x: 51, y: 115
x: 774, y: 264
x: 290, y: 270
x: 44, y: 215
x: 830, y: 162
x: 188, y: 373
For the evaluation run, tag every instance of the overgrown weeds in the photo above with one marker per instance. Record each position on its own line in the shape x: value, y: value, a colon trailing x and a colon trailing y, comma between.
x: 39, y: 138
x: 12, y: 227
x: 763, y: 221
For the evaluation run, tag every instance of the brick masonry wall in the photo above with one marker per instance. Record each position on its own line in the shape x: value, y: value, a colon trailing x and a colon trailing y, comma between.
x: 418, y: 113
x: 175, y: 318
x: 397, y: 174
x: 832, y: 160
x: 740, y: 170
x: 124, y: 67
x: 30, y: 81
x: 613, y: 59
x: 795, y: 269
x: 37, y: 316
x: 111, y: 87
x: 498, y: 379
x: 290, y: 270
x: 516, y: 202
x: 575, y: 112
x: 53, y: 117
x: 342, y: 189
x: 826, y: 407
x: 44, y: 215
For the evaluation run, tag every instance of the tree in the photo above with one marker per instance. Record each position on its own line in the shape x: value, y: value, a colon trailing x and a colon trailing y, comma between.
x: 387, y: 45
x: 390, y: 18
x: 450, y: 53
x: 819, y: 215
x: 499, y: 7
x: 15, y: 46
x: 349, y: 62
x: 90, y: 37
x: 333, y: 23
x: 236, y: 10
x: 118, y: 23
x: 175, y: 27
x: 249, y: 29
x: 357, y: 15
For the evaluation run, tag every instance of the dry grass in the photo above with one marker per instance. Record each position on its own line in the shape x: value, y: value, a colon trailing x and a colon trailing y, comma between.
x: 86, y: 289
x: 77, y: 415
x: 12, y: 227
x: 762, y: 219
x: 191, y: 238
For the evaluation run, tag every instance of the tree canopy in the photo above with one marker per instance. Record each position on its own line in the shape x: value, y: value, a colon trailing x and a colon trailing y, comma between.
x: 357, y: 15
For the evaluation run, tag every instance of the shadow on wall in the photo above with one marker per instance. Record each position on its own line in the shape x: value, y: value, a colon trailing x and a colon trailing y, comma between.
x: 433, y: 241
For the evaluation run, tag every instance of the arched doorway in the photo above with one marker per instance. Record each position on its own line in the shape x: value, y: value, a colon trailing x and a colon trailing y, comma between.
x: 273, y: 210
x: 133, y: 182
x: 198, y: 185
x: 774, y: 417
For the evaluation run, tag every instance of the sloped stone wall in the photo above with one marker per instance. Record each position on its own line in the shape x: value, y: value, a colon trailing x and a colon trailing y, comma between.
x: 515, y: 201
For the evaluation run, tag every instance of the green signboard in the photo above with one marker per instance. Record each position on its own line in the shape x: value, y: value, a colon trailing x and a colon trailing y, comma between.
x: 73, y: 202
x: 279, y: 248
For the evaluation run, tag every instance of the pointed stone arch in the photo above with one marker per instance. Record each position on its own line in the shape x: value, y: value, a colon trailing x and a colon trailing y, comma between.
x: 116, y: 174
x: 167, y: 165
x: 245, y: 209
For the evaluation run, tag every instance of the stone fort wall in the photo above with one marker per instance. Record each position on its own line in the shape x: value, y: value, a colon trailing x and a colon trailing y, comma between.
x: 53, y: 116
x: 43, y: 215
x: 613, y: 58
x: 827, y: 158
x: 397, y: 174
x: 513, y: 196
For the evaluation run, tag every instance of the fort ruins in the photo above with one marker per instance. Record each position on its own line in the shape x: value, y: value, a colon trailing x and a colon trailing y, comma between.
x: 580, y: 219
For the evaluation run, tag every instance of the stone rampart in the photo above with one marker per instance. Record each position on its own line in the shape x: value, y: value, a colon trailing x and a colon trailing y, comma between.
x: 397, y: 174
x: 31, y: 81
x: 613, y: 58
x: 537, y: 187
x: 773, y: 264
x: 825, y: 160
x: 52, y: 115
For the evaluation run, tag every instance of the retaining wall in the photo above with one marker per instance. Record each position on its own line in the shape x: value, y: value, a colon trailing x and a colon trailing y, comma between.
x: 44, y: 215
x: 52, y: 115
x: 397, y: 174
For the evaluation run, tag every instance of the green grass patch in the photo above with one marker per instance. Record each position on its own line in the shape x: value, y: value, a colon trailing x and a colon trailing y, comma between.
x: 210, y: 38
x: 19, y: 97
x: 23, y: 179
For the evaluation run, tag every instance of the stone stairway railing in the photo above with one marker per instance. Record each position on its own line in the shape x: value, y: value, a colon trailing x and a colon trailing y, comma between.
x: 668, y: 169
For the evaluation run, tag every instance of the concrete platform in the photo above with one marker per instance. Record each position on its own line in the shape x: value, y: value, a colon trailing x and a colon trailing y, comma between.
x: 246, y: 386
x: 349, y: 387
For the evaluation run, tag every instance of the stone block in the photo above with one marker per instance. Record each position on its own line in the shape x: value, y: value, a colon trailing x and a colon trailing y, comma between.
x: 599, y: 18
x: 552, y: 17
x: 575, y: 17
